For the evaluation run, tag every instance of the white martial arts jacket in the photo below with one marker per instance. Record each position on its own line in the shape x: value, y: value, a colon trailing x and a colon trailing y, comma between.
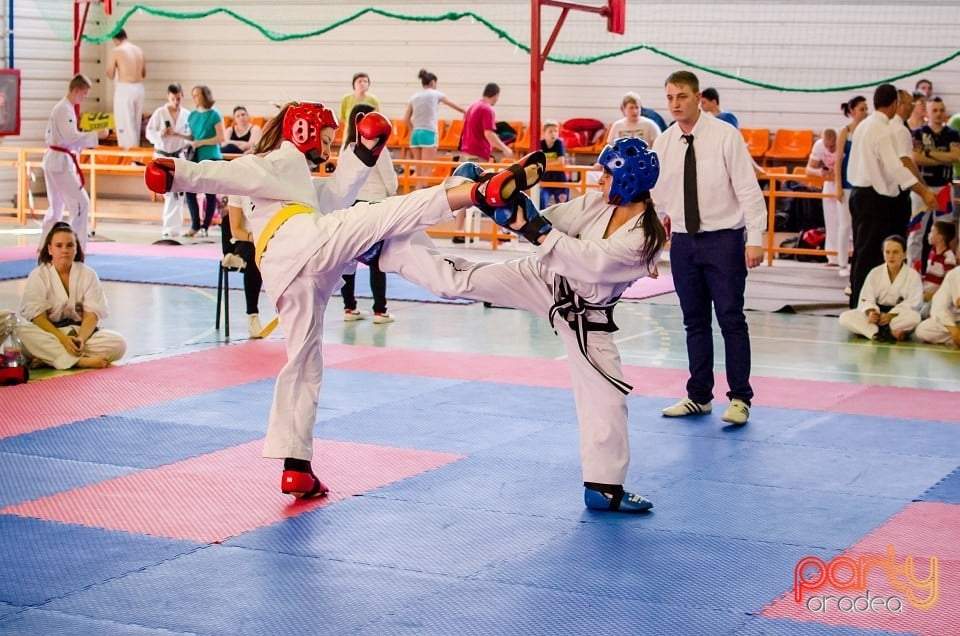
x: 272, y: 181
x: 62, y: 132
x: 44, y: 294
x: 904, y: 293
x: 158, y: 123
x: 597, y: 269
x: 943, y: 305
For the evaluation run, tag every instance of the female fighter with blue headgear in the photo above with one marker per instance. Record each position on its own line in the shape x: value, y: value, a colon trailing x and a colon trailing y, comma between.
x: 305, y: 233
x: 589, y: 251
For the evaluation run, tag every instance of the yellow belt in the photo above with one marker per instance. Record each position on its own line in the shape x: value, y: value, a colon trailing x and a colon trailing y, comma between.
x: 274, y: 224
x: 269, y: 230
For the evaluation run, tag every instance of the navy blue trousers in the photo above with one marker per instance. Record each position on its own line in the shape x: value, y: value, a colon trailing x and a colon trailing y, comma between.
x: 710, y: 273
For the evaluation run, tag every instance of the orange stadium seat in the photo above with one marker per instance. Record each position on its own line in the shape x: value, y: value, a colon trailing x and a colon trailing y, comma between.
x: 790, y: 145
x: 523, y: 142
x: 450, y: 140
x: 758, y: 141
x: 400, y: 137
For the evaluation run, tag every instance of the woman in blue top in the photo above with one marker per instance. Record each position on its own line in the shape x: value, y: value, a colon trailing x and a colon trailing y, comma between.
x: 206, y: 125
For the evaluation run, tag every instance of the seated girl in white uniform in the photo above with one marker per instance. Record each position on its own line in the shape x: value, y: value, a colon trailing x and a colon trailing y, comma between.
x: 305, y: 233
x: 943, y: 325
x: 890, y: 299
x: 64, y: 303
x: 589, y: 251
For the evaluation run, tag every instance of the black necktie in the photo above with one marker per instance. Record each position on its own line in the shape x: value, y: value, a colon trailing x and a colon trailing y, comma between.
x: 691, y: 205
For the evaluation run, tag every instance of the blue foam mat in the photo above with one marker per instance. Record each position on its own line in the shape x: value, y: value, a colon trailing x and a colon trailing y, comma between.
x: 500, y: 537
x: 203, y: 272
x: 43, y: 560
x: 228, y: 590
x: 630, y: 561
x: 32, y: 622
x: 946, y: 490
x: 761, y: 626
x: 124, y: 441
x: 29, y: 477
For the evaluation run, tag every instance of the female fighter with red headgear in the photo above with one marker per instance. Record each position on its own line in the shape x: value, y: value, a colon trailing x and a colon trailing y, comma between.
x: 589, y: 251
x: 305, y: 234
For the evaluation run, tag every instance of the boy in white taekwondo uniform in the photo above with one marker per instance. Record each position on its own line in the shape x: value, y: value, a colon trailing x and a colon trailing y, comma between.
x: 61, y: 168
x: 305, y: 234
x: 169, y: 133
x: 589, y: 251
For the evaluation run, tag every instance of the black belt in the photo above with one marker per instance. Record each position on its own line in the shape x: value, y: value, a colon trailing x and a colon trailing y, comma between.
x: 164, y: 153
x: 573, y: 309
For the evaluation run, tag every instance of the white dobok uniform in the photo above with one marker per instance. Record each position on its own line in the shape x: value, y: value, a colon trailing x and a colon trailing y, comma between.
x: 904, y: 295
x: 576, y: 259
x: 128, y: 113
x: 169, y: 146
x: 303, y: 261
x: 44, y: 294
x: 61, y: 172
x: 943, y: 311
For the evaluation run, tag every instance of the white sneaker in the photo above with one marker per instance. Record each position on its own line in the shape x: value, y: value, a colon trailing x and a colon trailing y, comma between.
x: 349, y: 315
x: 738, y: 412
x: 381, y: 318
x: 685, y: 407
x: 233, y: 261
x: 201, y: 233
x: 254, y: 326
x: 843, y: 272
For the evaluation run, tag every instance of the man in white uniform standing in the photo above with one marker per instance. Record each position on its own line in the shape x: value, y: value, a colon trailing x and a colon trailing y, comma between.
x: 61, y: 169
x: 126, y: 67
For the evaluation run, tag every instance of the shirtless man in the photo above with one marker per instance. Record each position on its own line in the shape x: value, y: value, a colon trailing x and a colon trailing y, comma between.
x: 125, y: 65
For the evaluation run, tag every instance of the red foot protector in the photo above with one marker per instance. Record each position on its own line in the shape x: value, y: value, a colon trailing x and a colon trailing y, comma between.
x: 213, y: 497
x: 902, y: 577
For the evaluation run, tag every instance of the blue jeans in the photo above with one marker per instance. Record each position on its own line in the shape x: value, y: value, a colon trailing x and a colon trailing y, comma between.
x: 710, y: 273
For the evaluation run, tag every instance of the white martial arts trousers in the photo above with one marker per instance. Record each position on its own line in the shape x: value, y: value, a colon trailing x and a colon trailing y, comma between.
x: 855, y: 321
x: 128, y: 113
x: 45, y: 347
x: 522, y: 284
x: 64, y: 192
x: 301, y: 306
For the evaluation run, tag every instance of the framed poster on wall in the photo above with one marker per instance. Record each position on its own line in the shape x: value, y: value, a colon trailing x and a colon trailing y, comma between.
x: 9, y: 101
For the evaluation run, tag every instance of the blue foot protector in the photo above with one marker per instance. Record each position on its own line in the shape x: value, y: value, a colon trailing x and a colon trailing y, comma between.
x: 371, y: 254
x: 626, y: 502
x: 471, y: 171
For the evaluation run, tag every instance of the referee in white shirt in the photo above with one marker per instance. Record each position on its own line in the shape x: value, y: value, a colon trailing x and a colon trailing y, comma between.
x: 708, y: 187
x: 877, y: 176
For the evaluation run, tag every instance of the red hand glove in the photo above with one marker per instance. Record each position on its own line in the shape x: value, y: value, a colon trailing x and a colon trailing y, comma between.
x: 158, y: 175
x: 371, y: 126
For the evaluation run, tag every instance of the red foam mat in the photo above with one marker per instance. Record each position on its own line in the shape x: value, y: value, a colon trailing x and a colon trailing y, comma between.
x: 39, y: 405
x: 920, y: 532
x: 216, y: 496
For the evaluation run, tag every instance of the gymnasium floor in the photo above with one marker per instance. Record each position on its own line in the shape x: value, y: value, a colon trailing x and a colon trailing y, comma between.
x: 134, y: 500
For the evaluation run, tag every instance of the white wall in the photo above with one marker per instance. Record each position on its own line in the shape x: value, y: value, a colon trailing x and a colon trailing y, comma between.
x: 779, y: 42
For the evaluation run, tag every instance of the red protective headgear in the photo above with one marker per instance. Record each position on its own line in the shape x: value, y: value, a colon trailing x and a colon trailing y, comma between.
x: 302, y: 124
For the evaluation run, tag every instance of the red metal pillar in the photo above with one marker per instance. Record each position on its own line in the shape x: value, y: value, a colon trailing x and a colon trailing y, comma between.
x: 538, y: 58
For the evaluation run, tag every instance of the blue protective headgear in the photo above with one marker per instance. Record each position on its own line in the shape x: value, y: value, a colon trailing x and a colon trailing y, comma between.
x: 634, y: 168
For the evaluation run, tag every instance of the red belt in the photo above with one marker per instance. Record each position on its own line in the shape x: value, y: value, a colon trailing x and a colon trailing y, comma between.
x: 76, y: 164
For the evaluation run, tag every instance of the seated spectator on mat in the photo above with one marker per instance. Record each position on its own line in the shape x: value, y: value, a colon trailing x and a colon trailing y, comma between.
x: 63, y: 303
x: 242, y: 136
x: 890, y: 298
x: 941, y: 327
x: 941, y: 258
